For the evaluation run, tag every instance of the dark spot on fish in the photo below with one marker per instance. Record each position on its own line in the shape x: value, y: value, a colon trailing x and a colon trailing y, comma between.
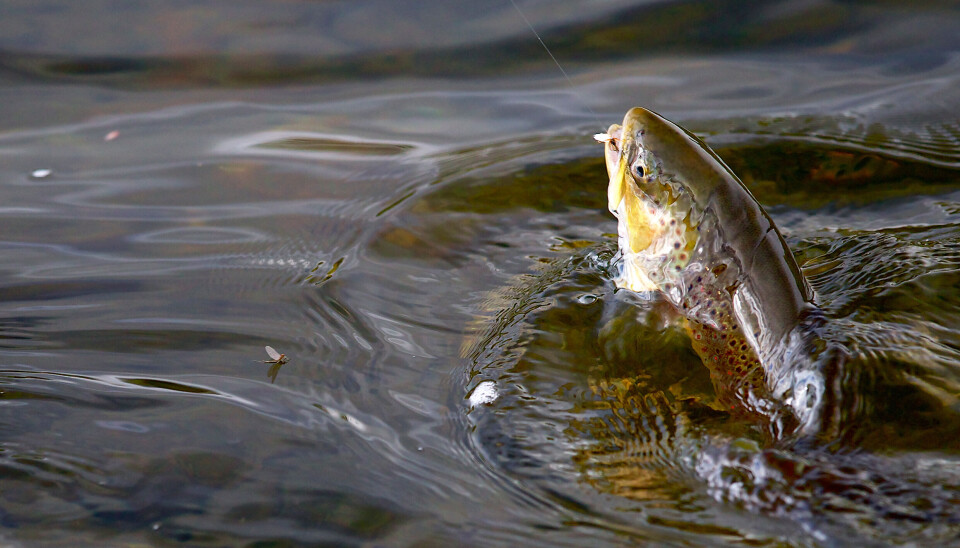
x: 683, y: 256
x: 676, y: 245
x: 673, y: 222
x: 717, y: 270
x: 678, y: 267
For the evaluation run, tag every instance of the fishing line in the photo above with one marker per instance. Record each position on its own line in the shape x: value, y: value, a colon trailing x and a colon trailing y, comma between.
x: 550, y: 53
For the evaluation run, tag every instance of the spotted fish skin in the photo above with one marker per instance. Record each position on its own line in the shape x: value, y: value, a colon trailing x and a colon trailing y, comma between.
x: 690, y: 230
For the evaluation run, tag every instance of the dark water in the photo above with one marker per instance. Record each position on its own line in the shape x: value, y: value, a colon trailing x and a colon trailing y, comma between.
x: 404, y: 198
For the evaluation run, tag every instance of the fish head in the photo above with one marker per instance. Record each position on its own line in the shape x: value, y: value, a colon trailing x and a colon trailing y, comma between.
x: 654, y: 217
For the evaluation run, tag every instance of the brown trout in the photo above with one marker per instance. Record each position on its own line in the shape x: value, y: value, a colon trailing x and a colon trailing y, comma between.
x: 690, y: 230
x: 781, y: 431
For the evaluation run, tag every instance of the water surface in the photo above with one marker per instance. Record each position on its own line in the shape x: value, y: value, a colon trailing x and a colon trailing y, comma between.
x: 405, y: 200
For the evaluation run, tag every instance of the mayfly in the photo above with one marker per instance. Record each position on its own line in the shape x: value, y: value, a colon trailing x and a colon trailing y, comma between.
x: 275, y: 357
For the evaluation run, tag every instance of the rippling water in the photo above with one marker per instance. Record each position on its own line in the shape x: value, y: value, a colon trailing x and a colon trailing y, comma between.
x: 411, y: 213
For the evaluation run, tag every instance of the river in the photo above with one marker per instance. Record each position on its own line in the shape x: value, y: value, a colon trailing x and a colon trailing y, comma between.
x: 405, y: 199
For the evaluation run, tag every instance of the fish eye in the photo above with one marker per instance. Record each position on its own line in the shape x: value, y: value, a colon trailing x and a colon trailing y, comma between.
x: 638, y: 171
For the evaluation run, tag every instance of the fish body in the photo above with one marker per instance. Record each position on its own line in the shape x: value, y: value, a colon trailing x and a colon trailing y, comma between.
x: 690, y: 230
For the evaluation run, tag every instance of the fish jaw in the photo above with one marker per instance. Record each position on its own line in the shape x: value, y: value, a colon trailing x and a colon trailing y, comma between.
x: 639, y: 221
x: 638, y: 225
x: 611, y: 154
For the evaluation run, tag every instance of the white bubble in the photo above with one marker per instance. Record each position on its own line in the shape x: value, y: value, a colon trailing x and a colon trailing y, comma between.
x: 484, y: 394
x: 587, y: 299
x: 41, y: 173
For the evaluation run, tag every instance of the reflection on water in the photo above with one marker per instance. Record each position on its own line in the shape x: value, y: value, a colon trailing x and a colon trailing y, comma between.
x: 416, y: 218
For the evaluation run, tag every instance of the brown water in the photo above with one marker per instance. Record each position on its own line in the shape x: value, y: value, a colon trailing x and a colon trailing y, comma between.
x: 404, y: 198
